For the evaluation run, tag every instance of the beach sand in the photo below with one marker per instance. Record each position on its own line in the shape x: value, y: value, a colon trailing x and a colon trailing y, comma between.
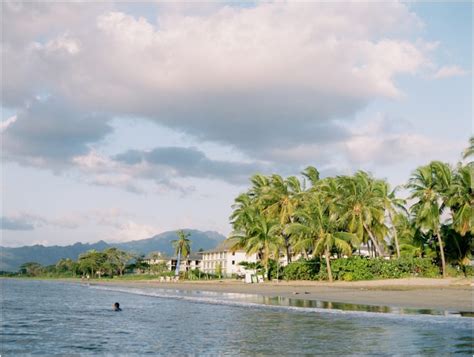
x: 442, y: 294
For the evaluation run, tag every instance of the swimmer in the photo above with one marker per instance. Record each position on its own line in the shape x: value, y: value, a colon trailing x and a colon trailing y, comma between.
x: 117, y: 307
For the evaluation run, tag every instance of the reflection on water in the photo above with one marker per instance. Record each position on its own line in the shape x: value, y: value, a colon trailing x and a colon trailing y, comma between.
x: 278, y: 300
x: 51, y: 318
x: 290, y: 302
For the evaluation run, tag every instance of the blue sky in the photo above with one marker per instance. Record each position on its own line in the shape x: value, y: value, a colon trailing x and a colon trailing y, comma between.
x: 120, y: 121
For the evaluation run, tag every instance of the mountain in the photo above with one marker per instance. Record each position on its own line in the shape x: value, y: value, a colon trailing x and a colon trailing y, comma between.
x: 12, y: 258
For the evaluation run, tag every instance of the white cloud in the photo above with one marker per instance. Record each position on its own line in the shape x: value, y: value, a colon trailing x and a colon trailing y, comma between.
x: 131, y: 230
x: 248, y: 77
x: 449, y: 71
x: 6, y: 123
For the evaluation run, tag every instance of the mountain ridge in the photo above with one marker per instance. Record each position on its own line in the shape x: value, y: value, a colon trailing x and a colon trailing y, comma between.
x: 12, y: 258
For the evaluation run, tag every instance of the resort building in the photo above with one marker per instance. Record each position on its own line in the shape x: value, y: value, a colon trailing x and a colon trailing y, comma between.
x: 193, y: 261
x: 224, y: 259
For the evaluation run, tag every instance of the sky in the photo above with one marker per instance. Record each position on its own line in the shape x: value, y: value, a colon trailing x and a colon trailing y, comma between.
x: 123, y: 120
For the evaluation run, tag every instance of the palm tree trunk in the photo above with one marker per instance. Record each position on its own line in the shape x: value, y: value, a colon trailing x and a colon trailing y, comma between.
x: 328, y: 265
x: 441, y: 251
x: 287, y: 248
x: 374, y: 241
x: 178, y: 262
x: 395, y: 236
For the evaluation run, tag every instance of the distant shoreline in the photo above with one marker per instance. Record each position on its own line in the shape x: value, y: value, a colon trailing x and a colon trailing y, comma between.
x: 453, y: 294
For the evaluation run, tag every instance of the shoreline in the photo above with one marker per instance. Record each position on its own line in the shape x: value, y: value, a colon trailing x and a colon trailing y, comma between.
x: 450, y: 294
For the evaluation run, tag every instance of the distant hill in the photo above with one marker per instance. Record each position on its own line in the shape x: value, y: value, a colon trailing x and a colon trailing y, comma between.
x: 12, y: 258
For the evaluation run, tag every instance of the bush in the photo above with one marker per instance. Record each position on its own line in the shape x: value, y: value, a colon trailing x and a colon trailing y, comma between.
x: 468, y: 270
x: 360, y: 268
x: 302, y: 270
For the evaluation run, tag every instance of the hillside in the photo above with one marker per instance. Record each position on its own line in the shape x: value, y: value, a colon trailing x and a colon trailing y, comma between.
x: 12, y: 258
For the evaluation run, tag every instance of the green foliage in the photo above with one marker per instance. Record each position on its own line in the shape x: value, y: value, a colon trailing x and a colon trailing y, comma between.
x: 275, y: 271
x: 302, y: 270
x: 360, y: 268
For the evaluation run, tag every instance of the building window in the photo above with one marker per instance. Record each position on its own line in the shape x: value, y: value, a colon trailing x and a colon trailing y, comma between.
x: 233, y: 262
x: 233, y: 253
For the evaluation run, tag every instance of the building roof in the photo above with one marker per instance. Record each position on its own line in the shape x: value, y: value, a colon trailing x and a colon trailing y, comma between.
x: 224, y: 246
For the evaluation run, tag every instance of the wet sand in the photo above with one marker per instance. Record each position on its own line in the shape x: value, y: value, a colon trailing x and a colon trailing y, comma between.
x: 442, y: 294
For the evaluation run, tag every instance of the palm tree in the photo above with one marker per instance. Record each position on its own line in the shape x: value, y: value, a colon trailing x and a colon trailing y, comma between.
x: 393, y: 206
x: 428, y: 184
x: 318, y: 225
x: 260, y: 236
x: 361, y: 207
x: 470, y: 150
x: 312, y: 175
x: 182, y: 246
x: 283, y: 199
x: 460, y: 198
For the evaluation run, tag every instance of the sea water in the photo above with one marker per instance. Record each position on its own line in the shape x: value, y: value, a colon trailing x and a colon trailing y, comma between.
x: 53, y: 318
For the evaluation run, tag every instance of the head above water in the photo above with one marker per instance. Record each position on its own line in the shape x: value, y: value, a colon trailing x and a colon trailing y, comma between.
x: 117, y: 307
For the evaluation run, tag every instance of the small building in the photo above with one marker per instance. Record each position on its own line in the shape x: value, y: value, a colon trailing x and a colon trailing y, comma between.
x: 225, y: 258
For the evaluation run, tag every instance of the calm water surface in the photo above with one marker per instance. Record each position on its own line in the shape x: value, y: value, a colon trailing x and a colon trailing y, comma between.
x: 52, y: 318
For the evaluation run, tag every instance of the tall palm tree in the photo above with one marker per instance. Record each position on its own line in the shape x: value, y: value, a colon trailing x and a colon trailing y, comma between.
x: 318, y: 225
x: 312, y: 175
x: 260, y: 236
x: 428, y: 184
x: 470, y: 150
x: 182, y: 247
x: 460, y: 198
x: 283, y: 199
x: 393, y: 206
x: 362, y: 208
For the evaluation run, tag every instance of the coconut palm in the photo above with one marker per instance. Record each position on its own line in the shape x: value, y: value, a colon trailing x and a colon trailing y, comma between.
x: 361, y: 207
x: 319, y: 226
x: 282, y: 201
x: 393, y: 205
x: 182, y: 247
x: 460, y: 199
x: 260, y: 236
x: 470, y: 150
x: 312, y: 175
x: 428, y: 184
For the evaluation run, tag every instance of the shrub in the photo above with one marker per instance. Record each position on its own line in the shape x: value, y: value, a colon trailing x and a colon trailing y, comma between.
x: 360, y: 268
x: 302, y: 270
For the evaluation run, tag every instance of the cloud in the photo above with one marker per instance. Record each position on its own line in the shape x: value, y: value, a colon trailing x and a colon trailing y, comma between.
x: 449, y: 71
x: 49, y: 133
x: 15, y: 224
x: 165, y: 167
x: 27, y: 221
x: 385, y: 141
x: 131, y: 230
x: 6, y: 123
x: 186, y: 162
x: 249, y: 77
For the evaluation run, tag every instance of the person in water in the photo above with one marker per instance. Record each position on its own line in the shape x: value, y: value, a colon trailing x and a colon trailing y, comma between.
x: 117, y: 307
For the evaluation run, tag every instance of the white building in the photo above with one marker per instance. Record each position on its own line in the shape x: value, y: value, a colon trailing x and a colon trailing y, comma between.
x: 224, y: 257
x: 193, y: 261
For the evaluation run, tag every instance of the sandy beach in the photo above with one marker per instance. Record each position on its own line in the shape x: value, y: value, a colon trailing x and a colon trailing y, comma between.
x: 444, y: 294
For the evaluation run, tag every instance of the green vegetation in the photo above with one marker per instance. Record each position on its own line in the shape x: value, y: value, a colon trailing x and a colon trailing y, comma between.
x: 182, y: 246
x: 332, y: 218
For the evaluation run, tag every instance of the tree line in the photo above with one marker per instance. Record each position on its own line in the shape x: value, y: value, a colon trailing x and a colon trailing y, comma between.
x: 110, y: 262
x: 336, y: 216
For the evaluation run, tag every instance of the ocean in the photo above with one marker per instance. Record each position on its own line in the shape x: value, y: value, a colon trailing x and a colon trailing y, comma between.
x: 53, y: 318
